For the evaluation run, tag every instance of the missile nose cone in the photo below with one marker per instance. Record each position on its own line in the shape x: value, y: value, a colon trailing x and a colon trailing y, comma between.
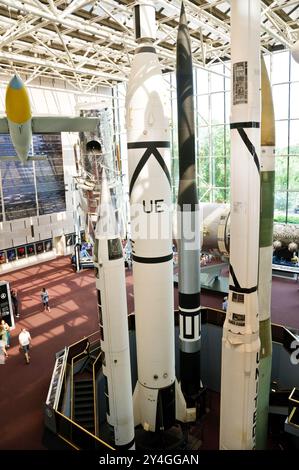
x: 182, y: 14
x: 17, y: 101
x: 16, y: 83
x: 183, y: 43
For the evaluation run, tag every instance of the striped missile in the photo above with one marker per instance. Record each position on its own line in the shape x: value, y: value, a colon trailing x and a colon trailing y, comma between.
x: 240, y: 341
x: 188, y: 219
x: 19, y: 117
x: 265, y: 257
x: 113, y: 320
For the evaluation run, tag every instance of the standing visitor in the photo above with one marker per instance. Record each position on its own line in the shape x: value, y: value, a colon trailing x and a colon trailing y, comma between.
x: 15, y: 302
x: 45, y: 299
x: 24, y: 340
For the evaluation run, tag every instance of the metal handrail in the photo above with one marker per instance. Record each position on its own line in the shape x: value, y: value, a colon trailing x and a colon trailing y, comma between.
x: 60, y: 381
x: 64, y: 380
x: 97, y: 339
x: 95, y: 401
x: 72, y: 389
x: 93, y: 334
x: 85, y: 431
x: 68, y: 442
x: 290, y: 417
x: 82, y: 339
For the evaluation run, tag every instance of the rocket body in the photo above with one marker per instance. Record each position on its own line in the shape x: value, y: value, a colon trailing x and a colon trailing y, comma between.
x: 188, y: 221
x: 147, y: 120
x: 150, y: 199
x: 112, y: 308
x: 19, y: 117
x: 241, y: 343
x: 265, y: 256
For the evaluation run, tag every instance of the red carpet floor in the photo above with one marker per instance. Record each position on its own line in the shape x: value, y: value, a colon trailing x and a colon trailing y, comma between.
x: 23, y: 388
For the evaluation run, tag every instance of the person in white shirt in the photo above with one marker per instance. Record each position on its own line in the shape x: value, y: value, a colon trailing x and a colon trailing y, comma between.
x: 24, y: 340
x: 224, y: 304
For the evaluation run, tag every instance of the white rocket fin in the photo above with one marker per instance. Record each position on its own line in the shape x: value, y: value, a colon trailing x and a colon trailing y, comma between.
x: 147, y: 415
x: 136, y: 409
x: 4, y: 126
x: 48, y: 124
x: 182, y: 413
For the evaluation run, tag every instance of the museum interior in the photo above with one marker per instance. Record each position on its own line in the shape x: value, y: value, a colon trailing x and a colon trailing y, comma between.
x: 149, y: 225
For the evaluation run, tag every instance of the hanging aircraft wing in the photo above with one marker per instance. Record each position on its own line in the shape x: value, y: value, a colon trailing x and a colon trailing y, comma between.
x: 49, y: 124
x: 4, y: 126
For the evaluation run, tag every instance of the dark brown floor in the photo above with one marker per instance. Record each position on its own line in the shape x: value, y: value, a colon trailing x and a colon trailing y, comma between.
x: 23, y: 388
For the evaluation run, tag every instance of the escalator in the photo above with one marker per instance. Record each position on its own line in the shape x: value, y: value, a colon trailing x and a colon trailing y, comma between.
x: 71, y: 409
x: 84, y: 404
x: 85, y: 391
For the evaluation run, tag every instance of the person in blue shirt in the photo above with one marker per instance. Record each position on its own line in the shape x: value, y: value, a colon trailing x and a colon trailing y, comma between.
x: 84, y: 253
x: 45, y: 299
x: 224, y: 304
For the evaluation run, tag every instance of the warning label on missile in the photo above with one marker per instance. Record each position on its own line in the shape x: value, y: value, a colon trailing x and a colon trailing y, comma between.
x: 240, y: 83
x: 237, y: 319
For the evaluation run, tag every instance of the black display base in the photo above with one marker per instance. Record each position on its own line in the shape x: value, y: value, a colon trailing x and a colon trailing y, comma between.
x: 171, y: 439
x: 201, y: 404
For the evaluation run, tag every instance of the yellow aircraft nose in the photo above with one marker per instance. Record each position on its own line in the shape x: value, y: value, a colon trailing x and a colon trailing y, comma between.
x: 17, y: 101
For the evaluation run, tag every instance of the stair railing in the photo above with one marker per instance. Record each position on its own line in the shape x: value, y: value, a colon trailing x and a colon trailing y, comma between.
x: 96, y: 367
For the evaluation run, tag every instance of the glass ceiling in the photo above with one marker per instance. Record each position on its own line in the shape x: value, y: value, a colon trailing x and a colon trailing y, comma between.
x: 89, y: 42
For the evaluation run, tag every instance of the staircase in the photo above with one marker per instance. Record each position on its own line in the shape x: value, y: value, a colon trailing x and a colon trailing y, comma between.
x: 84, y: 404
x: 84, y: 395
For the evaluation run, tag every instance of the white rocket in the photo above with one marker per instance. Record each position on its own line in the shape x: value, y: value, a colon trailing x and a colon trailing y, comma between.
x: 240, y: 343
x: 148, y: 135
x: 113, y: 319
